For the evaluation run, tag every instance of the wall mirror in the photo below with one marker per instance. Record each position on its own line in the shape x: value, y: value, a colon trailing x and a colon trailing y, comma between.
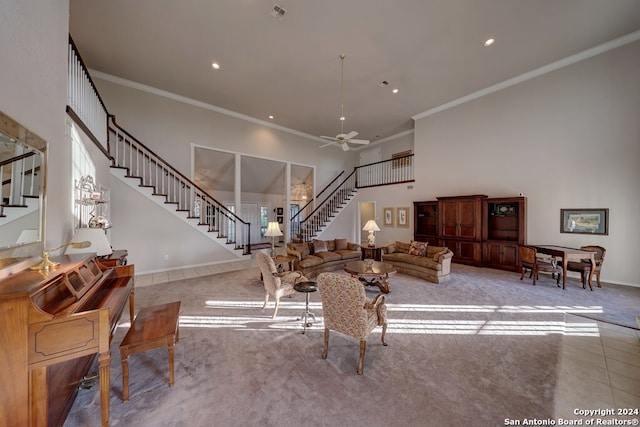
x: 22, y: 170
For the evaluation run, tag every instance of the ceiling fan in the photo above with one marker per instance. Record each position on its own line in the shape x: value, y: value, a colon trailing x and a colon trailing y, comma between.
x: 344, y: 139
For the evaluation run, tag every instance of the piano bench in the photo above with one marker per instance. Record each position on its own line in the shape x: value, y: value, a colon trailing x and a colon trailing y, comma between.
x: 153, y: 327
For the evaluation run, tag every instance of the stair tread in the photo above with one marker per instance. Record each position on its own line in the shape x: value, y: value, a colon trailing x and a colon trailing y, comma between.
x: 213, y: 230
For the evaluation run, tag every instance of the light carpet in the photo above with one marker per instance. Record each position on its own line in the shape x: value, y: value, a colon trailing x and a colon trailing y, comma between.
x: 474, y: 351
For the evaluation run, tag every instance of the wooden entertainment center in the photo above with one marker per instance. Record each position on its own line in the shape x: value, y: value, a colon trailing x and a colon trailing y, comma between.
x: 480, y: 230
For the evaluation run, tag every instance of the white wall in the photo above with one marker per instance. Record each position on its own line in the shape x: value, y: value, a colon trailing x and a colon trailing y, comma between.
x: 149, y: 233
x: 168, y: 127
x: 33, y: 81
x: 393, y: 196
x: 567, y: 139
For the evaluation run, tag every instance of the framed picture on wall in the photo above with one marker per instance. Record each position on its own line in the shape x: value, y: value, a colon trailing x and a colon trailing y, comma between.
x: 402, y: 217
x: 279, y: 211
x: 584, y: 221
x: 280, y: 219
x: 389, y: 217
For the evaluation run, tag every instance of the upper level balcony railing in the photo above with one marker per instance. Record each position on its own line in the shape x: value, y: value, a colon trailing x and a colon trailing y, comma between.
x: 83, y: 100
x: 385, y: 172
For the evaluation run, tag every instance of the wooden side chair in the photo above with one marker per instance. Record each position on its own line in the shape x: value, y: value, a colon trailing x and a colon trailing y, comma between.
x: 584, y: 266
x: 529, y: 260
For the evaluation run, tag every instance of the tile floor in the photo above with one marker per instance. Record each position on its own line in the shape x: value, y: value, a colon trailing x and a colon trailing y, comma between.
x: 597, y: 372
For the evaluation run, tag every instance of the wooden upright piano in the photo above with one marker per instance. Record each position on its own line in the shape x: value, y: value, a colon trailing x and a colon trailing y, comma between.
x: 52, y: 325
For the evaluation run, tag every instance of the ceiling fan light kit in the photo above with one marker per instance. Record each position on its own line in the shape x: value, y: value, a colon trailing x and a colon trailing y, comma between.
x: 343, y: 139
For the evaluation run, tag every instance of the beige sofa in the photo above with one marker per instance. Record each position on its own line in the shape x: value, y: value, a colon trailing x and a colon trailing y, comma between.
x: 318, y: 256
x: 434, y: 265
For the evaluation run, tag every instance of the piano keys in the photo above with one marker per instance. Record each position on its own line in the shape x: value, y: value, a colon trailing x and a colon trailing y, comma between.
x: 52, y: 326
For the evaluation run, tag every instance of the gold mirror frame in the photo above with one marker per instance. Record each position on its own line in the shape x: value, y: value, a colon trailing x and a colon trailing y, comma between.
x: 17, y: 256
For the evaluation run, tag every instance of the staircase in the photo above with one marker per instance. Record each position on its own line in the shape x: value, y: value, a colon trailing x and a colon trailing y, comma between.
x: 319, y: 219
x: 140, y: 168
x: 21, y: 187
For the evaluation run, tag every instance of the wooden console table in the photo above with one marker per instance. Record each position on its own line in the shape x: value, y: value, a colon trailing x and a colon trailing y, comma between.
x: 153, y: 327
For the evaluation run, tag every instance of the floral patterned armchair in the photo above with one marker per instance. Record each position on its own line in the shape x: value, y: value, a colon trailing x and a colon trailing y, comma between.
x: 276, y: 284
x: 346, y: 309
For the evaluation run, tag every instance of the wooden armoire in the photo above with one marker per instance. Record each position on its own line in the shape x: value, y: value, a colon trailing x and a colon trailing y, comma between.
x: 480, y: 230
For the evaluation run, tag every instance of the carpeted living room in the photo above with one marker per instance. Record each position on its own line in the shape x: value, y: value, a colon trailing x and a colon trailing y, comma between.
x: 482, y: 349
x: 198, y: 140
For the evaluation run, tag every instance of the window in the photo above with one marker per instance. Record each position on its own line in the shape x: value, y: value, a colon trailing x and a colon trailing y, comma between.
x: 264, y: 220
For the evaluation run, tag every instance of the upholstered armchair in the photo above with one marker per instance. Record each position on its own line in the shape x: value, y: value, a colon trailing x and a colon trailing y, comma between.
x: 347, y: 310
x: 584, y: 266
x: 275, y: 283
x: 529, y: 260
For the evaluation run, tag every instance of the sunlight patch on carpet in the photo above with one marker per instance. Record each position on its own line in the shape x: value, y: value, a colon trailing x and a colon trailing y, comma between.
x: 494, y: 308
x: 517, y: 327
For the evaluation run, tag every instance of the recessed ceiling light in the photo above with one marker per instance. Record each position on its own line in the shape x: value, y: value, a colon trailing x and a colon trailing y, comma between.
x: 215, y: 66
x: 342, y: 118
x: 489, y: 42
x: 395, y: 91
x: 271, y: 117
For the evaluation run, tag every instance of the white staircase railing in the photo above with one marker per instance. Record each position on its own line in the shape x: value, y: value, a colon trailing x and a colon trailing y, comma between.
x: 86, y: 108
x: 22, y: 171
x: 83, y: 99
x: 140, y: 162
x: 328, y: 208
x: 386, y: 172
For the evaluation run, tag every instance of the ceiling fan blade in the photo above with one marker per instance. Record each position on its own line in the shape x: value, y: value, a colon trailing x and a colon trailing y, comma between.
x: 359, y: 141
x: 329, y: 137
x: 331, y: 143
x: 345, y: 146
x: 351, y: 134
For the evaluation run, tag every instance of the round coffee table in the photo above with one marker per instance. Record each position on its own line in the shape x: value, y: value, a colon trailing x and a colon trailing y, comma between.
x: 307, y: 288
x: 373, y: 273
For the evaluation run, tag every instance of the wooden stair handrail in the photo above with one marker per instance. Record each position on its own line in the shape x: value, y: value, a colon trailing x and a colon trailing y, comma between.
x: 178, y: 173
x: 317, y: 195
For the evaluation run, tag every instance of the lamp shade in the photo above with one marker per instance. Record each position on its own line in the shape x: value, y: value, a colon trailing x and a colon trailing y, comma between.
x: 99, y: 243
x: 371, y: 226
x: 273, y: 229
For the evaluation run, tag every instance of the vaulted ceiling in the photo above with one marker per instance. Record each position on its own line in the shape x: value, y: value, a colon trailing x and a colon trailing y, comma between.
x: 430, y: 50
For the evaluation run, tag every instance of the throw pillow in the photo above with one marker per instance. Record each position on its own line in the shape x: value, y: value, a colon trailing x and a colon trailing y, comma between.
x: 402, y: 247
x: 342, y: 244
x: 418, y: 248
x: 303, y: 248
x: 331, y: 245
x: 319, y: 246
x: 391, y: 249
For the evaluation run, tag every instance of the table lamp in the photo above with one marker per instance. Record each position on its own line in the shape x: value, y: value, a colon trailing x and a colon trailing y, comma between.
x: 371, y: 226
x: 99, y: 243
x: 46, y: 264
x: 273, y: 230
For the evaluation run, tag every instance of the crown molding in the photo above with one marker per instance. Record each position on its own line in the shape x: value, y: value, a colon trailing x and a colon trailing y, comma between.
x: 581, y: 56
x: 195, y: 103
